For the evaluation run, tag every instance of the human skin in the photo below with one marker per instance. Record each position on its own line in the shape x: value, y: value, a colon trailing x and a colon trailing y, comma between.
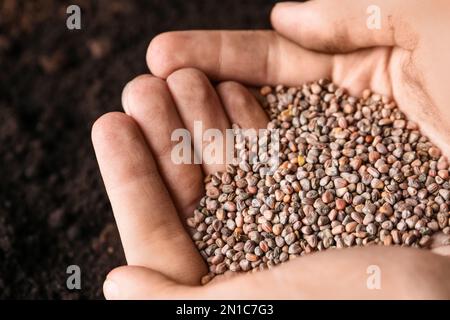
x: 151, y: 196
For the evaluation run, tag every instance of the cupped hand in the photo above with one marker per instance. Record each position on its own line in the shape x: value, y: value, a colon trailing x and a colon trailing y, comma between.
x: 151, y: 196
x: 407, y: 58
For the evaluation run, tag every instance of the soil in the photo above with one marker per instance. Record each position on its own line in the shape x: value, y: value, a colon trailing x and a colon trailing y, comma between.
x: 54, y: 83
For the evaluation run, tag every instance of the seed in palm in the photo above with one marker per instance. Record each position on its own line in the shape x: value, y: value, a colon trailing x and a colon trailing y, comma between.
x: 353, y: 171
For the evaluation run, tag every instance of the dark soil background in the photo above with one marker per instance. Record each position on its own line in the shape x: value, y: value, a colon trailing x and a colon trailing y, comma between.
x: 54, y: 83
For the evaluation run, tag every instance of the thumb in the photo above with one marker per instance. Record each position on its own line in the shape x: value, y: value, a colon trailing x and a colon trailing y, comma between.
x: 341, y: 26
x: 140, y: 283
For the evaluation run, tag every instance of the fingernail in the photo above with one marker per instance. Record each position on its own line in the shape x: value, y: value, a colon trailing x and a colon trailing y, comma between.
x: 111, y: 290
x: 125, y: 98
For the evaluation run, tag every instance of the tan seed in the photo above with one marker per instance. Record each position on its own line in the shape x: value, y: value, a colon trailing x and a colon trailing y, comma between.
x: 251, y: 257
x: 338, y: 229
x: 340, y: 204
x: 277, y: 228
x: 434, y: 152
x: 351, y: 226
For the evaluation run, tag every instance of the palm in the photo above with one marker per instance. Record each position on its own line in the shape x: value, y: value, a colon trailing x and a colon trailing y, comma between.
x: 392, y: 72
x: 373, y: 69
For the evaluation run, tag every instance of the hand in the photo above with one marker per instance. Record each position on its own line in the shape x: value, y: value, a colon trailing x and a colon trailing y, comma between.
x: 406, y: 59
x: 151, y: 197
x: 153, y: 236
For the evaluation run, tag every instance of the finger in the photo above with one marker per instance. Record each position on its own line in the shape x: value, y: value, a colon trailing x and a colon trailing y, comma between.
x: 147, y: 99
x: 138, y: 283
x: 201, y: 110
x: 151, y: 232
x: 342, y: 26
x: 250, y: 57
x: 241, y: 106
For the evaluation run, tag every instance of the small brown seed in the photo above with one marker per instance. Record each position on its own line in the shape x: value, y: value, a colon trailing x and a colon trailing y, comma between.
x: 251, y: 257
x: 432, y: 188
x: 277, y: 228
x: 396, y: 236
x: 442, y: 219
x: 340, y: 183
x: 374, y: 156
x: 372, y: 229
x: 221, y: 268
x: 425, y: 241
x: 338, y: 230
x: 217, y: 259
x: 212, y: 192
x: 340, y: 204
x: 387, y: 240
x: 327, y: 197
x: 399, y: 124
x: 290, y: 238
x: 351, y: 226
x: 410, y: 239
x: 264, y: 247
x: 357, y: 217
x: 369, y: 208
x: 408, y: 157
x: 265, y: 90
x: 373, y: 172
x: 434, y: 152
x: 267, y: 227
x: 244, y: 265
x: 229, y: 206
x: 386, y: 209
x: 294, y: 248
x: 368, y: 218
x: 377, y: 184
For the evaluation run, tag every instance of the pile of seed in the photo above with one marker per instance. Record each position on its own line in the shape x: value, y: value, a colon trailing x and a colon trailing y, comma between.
x: 354, y: 172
